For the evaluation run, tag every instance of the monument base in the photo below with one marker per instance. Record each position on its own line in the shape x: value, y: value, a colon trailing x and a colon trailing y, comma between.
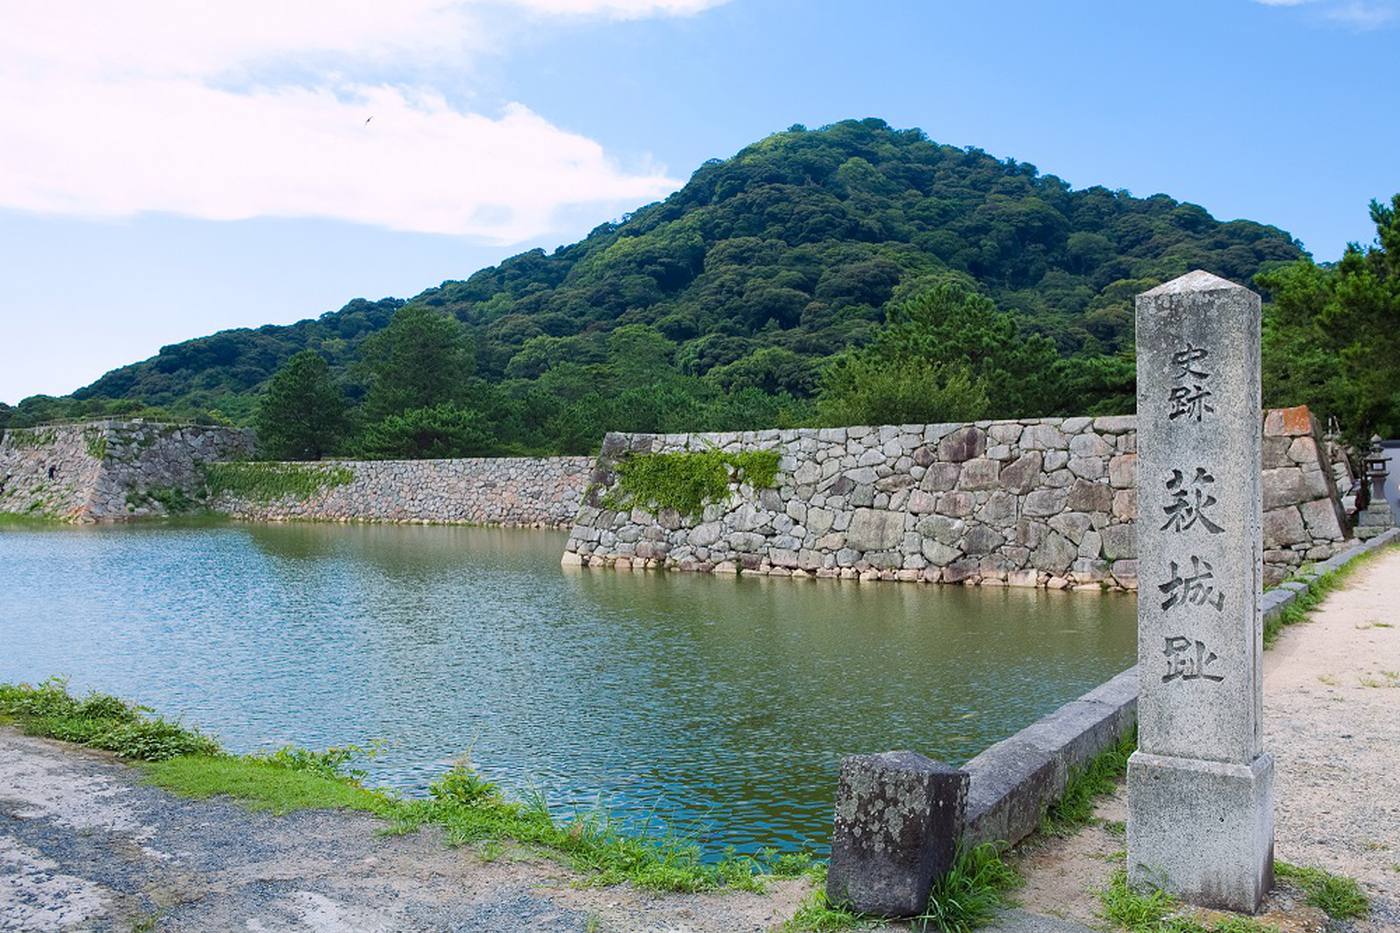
x: 1202, y: 830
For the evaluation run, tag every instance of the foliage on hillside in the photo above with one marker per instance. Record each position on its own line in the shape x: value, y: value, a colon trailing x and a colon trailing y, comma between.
x: 723, y: 305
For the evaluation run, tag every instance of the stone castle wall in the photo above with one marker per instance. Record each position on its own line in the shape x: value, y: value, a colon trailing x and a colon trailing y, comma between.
x: 1037, y: 502
x: 107, y: 470
x: 515, y: 491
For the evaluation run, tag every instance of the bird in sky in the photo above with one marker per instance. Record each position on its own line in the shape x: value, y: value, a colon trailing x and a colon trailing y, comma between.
x: 368, y: 118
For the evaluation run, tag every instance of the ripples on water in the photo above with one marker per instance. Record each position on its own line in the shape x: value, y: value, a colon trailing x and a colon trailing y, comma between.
x: 722, y: 705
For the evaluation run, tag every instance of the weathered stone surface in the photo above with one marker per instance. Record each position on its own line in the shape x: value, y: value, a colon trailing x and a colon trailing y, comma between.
x: 1022, y: 474
x: 1322, y: 519
x: 899, y: 816
x: 1200, y: 805
x: 981, y: 473
x: 1085, y: 496
x: 1044, y: 502
x: 1122, y: 471
x: 1089, y: 468
x: 1119, y: 542
x: 874, y: 530
x: 982, y: 540
x: 1072, y: 525
x: 1202, y: 829
x: 1283, y: 527
x: 940, y: 554
x: 940, y: 477
x: 1043, y: 437
x: 963, y: 444
x: 1055, y: 554
x: 956, y: 503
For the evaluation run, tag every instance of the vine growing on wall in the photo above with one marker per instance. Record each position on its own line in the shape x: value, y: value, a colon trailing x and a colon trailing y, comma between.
x: 687, y: 482
x: 269, y: 482
x: 25, y: 437
x: 95, y: 439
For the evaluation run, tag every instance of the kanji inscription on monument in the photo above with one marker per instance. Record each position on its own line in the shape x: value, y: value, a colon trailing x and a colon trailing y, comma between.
x: 1200, y: 787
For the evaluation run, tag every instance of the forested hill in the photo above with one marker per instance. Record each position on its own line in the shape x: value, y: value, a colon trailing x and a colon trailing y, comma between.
x: 760, y: 268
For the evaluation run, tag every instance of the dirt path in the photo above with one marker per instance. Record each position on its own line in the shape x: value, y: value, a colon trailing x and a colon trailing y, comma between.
x: 85, y: 846
x: 1332, y: 723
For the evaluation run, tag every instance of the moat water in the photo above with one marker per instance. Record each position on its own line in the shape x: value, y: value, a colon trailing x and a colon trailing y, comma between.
x: 714, y: 706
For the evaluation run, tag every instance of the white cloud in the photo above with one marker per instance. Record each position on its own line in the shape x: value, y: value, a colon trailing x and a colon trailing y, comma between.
x: 1363, y: 15
x: 111, y: 110
x: 1358, y: 14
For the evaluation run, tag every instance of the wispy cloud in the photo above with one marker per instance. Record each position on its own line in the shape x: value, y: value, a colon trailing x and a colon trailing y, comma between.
x: 112, y: 110
x: 1356, y: 14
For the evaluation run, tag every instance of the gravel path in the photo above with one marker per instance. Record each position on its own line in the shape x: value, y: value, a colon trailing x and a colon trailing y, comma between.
x: 1332, y: 723
x: 85, y: 846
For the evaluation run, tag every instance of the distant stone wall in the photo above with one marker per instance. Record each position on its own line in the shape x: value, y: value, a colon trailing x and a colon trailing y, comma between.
x: 515, y: 491
x: 1303, y: 516
x: 1036, y: 502
x: 108, y: 470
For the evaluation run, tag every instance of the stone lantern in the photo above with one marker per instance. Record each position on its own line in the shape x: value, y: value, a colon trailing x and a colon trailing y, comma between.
x: 1375, y: 468
x: 1376, y: 517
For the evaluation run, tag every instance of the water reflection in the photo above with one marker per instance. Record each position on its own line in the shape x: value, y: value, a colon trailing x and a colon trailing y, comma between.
x: 715, y: 701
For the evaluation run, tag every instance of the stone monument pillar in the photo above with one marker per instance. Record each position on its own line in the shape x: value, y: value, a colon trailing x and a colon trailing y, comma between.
x: 1200, y: 787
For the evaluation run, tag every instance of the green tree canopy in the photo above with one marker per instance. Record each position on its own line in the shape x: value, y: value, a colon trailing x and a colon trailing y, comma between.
x: 438, y: 431
x: 1332, y: 333
x: 301, y: 413
x: 422, y: 359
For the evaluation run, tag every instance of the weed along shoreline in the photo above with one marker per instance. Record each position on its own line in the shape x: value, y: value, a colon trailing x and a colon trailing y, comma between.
x: 159, y: 784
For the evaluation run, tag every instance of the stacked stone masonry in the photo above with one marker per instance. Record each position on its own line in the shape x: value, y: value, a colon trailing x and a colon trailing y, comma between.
x: 1303, y: 516
x: 108, y: 470
x: 513, y: 491
x: 1040, y: 502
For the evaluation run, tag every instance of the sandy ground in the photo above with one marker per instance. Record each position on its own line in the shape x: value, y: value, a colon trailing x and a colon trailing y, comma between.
x: 1332, y: 723
x: 85, y: 846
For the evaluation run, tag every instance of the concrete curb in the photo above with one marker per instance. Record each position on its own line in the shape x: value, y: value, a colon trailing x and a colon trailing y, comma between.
x: 1278, y: 599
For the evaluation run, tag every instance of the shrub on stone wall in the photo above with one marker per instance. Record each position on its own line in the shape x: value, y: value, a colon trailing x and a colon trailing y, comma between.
x: 687, y: 482
x: 268, y: 482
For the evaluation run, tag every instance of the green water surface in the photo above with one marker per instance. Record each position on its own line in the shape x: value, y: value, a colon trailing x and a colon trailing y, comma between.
x: 712, y: 705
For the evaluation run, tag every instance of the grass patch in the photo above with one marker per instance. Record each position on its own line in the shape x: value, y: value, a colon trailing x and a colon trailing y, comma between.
x: 687, y: 482
x: 817, y: 915
x: 269, y: 482
x: 99, y: 721
x: 27, y: 520
x: 1156, y: 911
x: 1341, y: 897
x: 468, y: 807
x: 1075, y: 807
x: 1307, y: 600
x: 972, y: 892
x: 260, y: 784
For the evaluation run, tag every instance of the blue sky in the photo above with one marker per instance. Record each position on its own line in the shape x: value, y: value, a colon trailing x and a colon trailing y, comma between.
x: 164, y: 176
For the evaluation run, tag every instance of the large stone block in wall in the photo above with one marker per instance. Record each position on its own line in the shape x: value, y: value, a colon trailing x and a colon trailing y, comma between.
x: 1283, y: 527
x: 875, y: 530
x: 963, y: 444
x: 1289, y: 422
x: 1021, y: 475
x: 1292, y: 485
x: 1322, y: 519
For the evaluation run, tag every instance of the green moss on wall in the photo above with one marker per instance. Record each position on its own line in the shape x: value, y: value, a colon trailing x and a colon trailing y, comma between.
x: 687, y: 482
x: 269, y: 482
